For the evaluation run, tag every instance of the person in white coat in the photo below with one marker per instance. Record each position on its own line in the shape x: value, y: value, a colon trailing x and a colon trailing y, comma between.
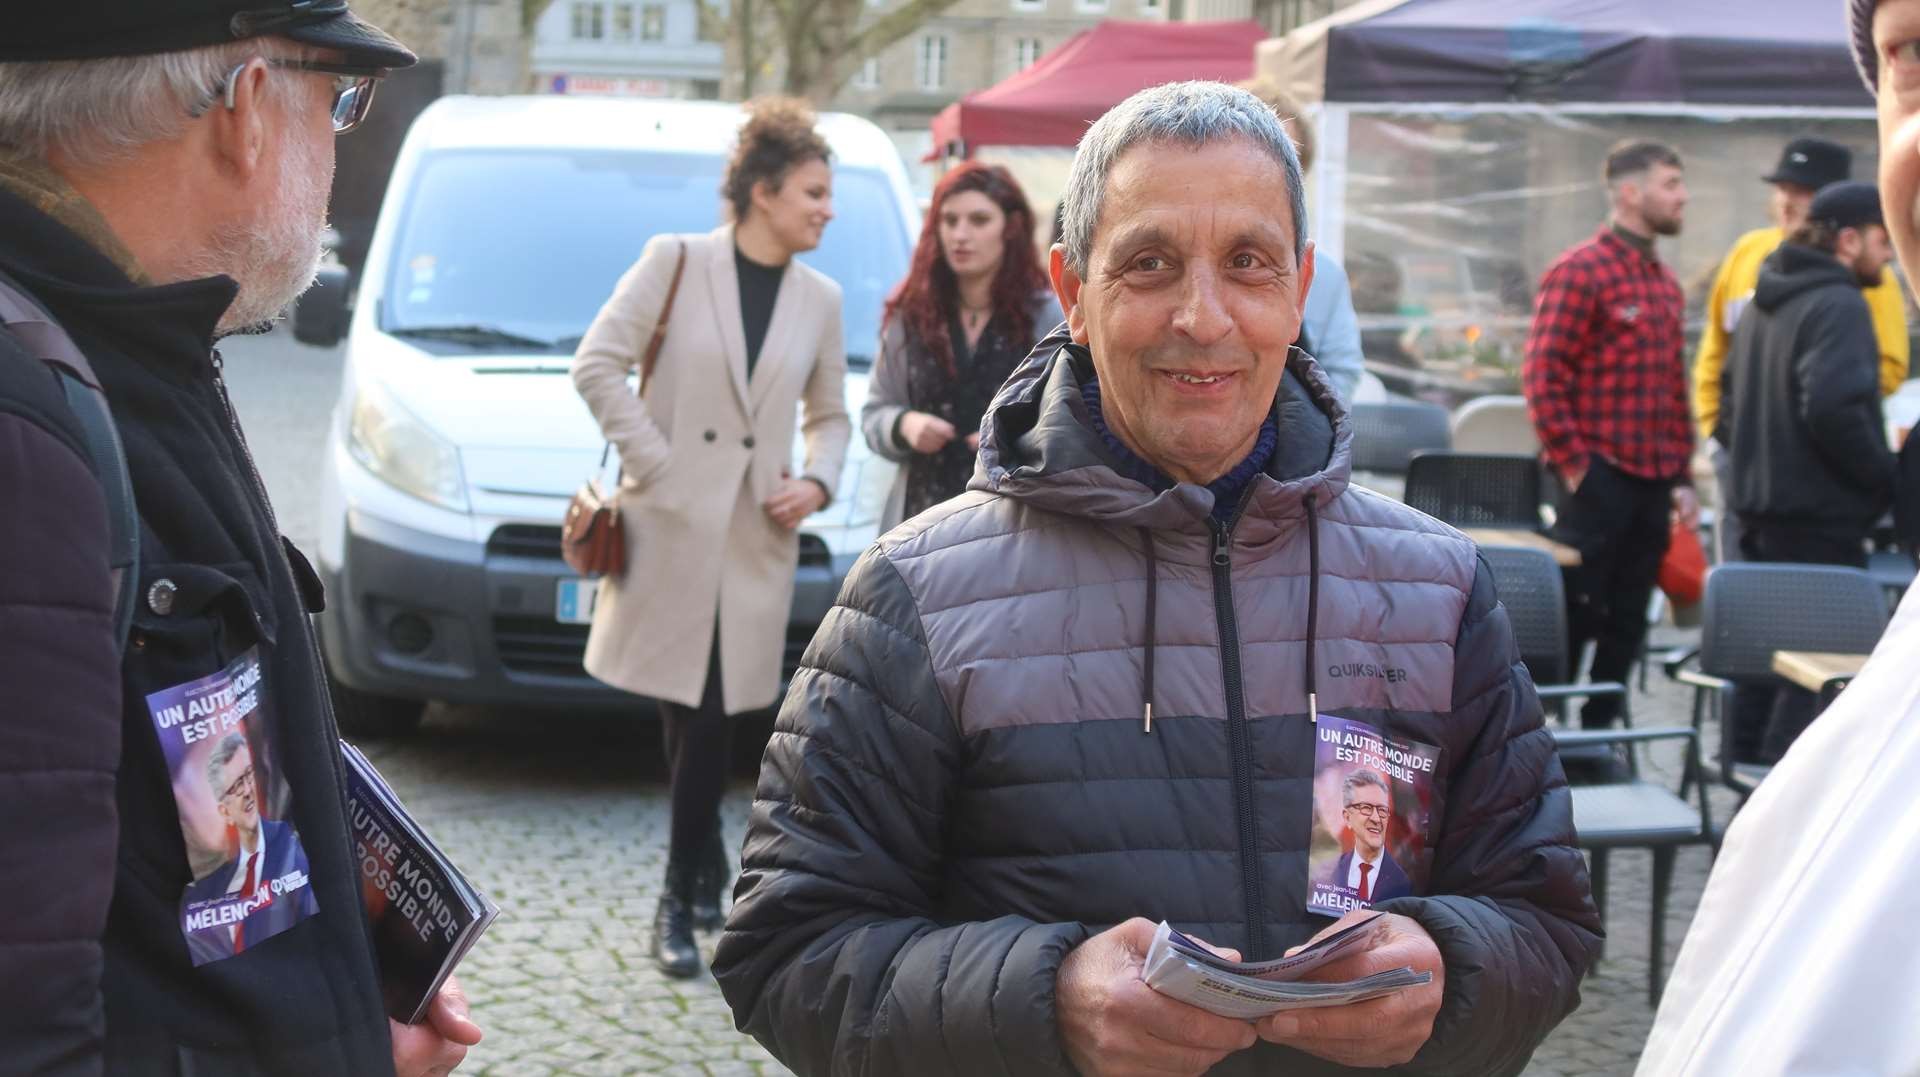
x: 698, y: 622
x: 1800, y: 957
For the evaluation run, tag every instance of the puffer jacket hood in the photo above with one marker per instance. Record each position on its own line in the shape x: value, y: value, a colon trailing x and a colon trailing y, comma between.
x: 1792, y: 269
x: 1036, y: 446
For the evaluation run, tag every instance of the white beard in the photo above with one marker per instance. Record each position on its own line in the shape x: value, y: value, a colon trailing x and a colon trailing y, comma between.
x: 276, y: 256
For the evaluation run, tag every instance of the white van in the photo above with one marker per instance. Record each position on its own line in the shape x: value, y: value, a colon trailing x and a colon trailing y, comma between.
x: 458, y: 437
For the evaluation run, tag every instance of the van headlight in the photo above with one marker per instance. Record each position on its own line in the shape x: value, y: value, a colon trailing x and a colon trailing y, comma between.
x: 395, y: 445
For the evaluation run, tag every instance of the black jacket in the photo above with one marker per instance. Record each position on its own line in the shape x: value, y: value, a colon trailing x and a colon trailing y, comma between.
x: 1800, y: 401
x: 94, y: 970
x: 961, y: 788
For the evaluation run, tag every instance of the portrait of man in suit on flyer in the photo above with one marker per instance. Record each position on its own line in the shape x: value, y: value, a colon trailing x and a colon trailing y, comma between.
x: 266, y: 879
x: 1373, y: 797
x: 1368, y: 869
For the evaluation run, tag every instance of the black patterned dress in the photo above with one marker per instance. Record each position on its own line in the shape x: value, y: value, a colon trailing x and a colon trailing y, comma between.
x: 961, y: 398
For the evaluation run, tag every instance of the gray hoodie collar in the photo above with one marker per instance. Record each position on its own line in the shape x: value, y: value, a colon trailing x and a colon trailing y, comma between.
x: 1036, y: 446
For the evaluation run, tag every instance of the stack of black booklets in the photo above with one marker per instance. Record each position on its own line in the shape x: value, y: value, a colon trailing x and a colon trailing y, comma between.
x: 425, y: 914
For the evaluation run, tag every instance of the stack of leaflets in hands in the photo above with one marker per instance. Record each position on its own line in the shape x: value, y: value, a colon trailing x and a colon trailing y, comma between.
x: 1181, y: 968
x: 425, y: 914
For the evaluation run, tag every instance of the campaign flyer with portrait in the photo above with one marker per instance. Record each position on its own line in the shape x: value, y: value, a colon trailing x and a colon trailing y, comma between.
x: 249, y: 869
x: 1372, y: 795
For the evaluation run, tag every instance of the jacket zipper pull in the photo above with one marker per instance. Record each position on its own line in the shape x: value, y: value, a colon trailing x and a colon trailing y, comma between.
x: 1220, y: 557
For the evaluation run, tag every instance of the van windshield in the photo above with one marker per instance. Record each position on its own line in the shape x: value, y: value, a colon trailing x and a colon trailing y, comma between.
x: 516, y: 250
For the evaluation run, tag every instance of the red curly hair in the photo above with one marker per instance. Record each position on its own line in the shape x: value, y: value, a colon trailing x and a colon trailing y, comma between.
x: 929, y: 295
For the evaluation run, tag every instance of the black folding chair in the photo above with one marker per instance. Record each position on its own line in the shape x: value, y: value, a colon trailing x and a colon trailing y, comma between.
x: 1530, y: 585
x: 1752, y: 610
x: 1638, y: 814
x: 1476, y: 489
x: 1385, y: 436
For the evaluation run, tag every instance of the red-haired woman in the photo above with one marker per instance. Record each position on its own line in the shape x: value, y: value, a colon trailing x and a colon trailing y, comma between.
x: 974, y: 303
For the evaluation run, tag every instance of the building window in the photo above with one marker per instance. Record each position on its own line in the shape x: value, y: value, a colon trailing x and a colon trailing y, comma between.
x: 653, y: 22
x: 1025, y: 51
x: 1030, y: 7
x: 868, y: 77
x: 1092, y: 7
x: 933, y: 62
x: 623, y: 22
x: 589, y: 21
x: 1150, y: 7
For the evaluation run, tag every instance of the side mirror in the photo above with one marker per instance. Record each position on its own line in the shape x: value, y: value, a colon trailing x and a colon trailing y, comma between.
x: 320, y: 314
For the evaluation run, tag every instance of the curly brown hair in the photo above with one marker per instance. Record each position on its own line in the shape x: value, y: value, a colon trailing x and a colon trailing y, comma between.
x: 777, y: 136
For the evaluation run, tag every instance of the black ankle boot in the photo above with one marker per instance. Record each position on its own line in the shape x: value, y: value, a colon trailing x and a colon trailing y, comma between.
x: 673, y: 948
x: 710, y: 878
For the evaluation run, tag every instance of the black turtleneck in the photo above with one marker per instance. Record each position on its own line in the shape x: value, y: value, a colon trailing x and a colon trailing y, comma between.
x: 759, y: 286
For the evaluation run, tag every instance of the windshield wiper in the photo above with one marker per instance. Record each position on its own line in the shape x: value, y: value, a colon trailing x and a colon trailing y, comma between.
x: 478, y: 336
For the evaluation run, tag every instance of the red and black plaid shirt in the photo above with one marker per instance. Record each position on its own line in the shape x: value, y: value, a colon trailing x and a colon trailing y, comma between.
x: 1604, y: 374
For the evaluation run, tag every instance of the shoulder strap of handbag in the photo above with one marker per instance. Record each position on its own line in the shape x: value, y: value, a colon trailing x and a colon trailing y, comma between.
x: 652, y: 356
x: 43, y: 338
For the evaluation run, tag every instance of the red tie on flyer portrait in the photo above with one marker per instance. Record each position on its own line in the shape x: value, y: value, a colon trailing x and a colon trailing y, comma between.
x: 246, y: 887
x: 1366, y: 893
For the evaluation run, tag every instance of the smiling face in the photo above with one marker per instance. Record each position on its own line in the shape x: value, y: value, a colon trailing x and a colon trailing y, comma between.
x: 1896, y: 41
x: 1367, y: 816
x: 1191, y: 300
x: 798, y: 210
x: 972, y: 234
x: 235, y: 795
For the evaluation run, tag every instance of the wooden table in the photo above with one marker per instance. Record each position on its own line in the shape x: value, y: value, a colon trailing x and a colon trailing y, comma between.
x: 1563, y: 555
x: 1818, y: 671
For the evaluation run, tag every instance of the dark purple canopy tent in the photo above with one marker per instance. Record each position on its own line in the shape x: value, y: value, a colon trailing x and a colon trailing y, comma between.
x: 1460, y: 143
x: 1705, y: 52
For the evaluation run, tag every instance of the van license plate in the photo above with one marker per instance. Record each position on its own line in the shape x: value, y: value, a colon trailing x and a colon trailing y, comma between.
x: 573, y: 601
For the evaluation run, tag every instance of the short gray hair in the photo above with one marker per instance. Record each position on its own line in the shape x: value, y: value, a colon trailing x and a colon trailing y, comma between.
x: 230, y: 745
x: 1361, y: 777
x: 99, y: 111
x: 1184, y: 113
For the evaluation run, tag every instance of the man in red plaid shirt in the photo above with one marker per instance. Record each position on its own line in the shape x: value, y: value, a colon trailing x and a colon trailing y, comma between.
x: 1606, y: 387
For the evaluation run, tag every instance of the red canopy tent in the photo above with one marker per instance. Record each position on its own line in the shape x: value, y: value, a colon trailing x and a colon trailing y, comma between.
x: 1053, y: 102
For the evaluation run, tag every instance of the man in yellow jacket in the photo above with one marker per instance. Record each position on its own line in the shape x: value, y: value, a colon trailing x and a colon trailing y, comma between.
x: 1806, y: 165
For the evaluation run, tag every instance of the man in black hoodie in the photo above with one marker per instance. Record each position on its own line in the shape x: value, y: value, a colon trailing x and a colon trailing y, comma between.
x: 1807, y: 449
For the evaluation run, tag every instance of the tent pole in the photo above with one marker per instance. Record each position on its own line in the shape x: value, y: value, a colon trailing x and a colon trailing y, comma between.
x: 1329, y: 212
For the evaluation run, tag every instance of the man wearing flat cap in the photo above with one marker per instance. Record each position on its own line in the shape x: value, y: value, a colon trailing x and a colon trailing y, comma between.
x: 1800, y: 418
x: 164, y: 172
x: 1805, y: 166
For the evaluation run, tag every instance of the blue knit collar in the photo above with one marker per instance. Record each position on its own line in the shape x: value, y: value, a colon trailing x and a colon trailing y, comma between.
x: 1227, y: 489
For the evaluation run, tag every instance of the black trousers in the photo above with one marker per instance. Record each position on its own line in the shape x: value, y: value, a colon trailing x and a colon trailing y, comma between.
x: 1767, y: 718
x: 696, y: 741
x: 1619, y: 523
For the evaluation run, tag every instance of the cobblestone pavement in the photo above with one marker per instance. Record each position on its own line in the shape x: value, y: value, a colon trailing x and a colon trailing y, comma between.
x: 563, y: 819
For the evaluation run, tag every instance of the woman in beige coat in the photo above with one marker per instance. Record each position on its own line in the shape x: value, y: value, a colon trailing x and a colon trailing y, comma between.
x: 698, y: 622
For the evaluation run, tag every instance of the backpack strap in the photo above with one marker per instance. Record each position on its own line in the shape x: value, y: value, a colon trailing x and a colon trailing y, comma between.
x: 46, y: 341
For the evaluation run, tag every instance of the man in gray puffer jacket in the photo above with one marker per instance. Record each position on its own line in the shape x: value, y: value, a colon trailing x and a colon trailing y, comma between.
x: 1082, y: 697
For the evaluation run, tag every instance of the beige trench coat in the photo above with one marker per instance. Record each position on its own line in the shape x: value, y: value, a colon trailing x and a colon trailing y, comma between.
x: 700, y: 450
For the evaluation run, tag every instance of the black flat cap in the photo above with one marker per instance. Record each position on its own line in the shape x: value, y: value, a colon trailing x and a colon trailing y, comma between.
x: 99, y: 29
x: 1812, y: 163
x: 1846, y: 205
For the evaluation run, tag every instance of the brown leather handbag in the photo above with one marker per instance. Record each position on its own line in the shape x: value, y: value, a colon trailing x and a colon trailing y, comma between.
x: 592, y: 539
